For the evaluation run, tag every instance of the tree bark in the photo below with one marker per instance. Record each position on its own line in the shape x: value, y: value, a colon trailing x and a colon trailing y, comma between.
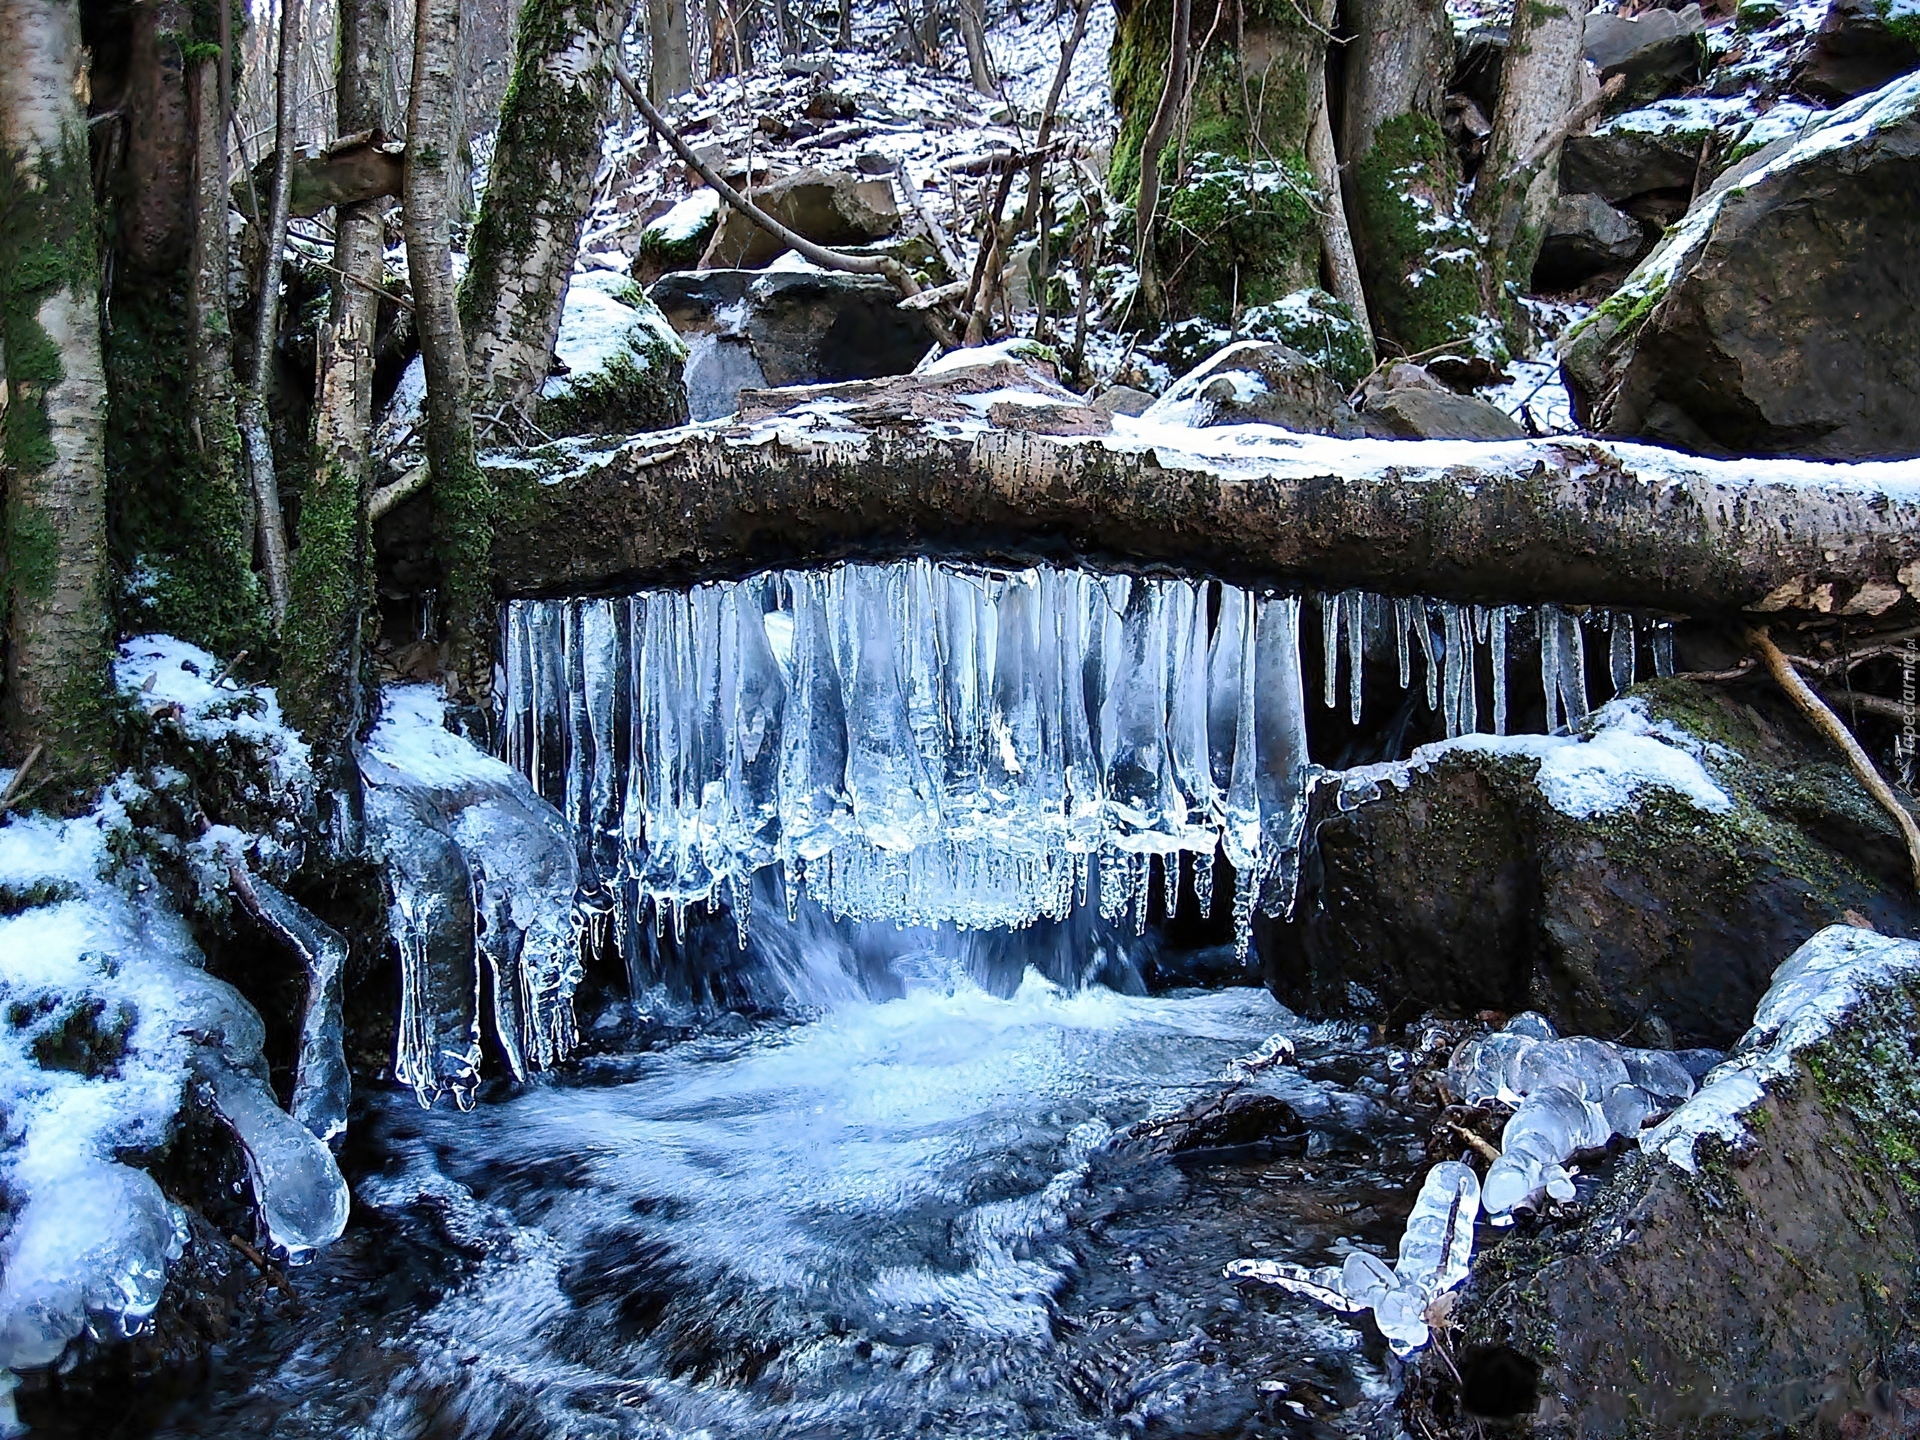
x: 973, y: 34
x: 1418, y: 258
x: 462, y: 494
x: 1337, y: 256
x: 672, y: 72
x: 324, y: 642
x: 1539, y: 86
x: 255, y: 429
x: 55, y: 419
x: 1567, y: 522
x: 539, y: 191
x: 1158, y: 130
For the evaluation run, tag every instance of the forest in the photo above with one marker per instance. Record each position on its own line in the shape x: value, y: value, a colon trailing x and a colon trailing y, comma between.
x: 959, y: 717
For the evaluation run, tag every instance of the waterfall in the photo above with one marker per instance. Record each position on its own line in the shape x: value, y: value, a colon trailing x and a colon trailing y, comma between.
x: 927, y: 744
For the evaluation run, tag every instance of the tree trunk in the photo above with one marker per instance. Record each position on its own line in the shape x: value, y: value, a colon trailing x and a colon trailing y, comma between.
x: 324, y: 641
x: 1172, y: 86
x: 1418, y: 257
x: 55, y: 418
x: 1337, y: 258
x: 1576, y: 522
x: 973, y: 34
x: 539, y: 190
x: 845, y: 38
x: 462, y: 494
x: 1539, y: 85
x: 672, y: 72
x: 255, y: 429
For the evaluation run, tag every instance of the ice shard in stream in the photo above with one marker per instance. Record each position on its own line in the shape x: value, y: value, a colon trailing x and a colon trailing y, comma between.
x: 928, y: 743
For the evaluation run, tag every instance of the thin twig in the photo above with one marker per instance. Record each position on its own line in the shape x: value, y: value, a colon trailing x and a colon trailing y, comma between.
x: 1830, y: 725
x: 13, y: 785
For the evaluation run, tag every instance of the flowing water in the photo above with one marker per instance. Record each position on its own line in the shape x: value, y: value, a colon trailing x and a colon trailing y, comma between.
x: 920, y: 1214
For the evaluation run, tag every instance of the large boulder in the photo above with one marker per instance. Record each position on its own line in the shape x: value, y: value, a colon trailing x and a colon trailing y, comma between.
x: 749, y: 329
x: 1409, y: 413
x: 1746, y: 1272
x: 1861, y: 45
x: 1655, y: 51
x: 618, y: 365
x: 1641, y: 152
x: 1639, y: 876
x: 1782, y: 316
x: 828, y: 207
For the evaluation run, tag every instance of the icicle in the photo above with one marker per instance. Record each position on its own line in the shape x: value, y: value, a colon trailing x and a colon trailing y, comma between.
x: 1497, y: 638
x: 1280, y: 728
x: 1330, y: 645
x: 1170, y: 883
x: 1402, y: 618
x: 1187, y: 721
x: 1203, y: 882
x: 1547, y: 622
x: 1351, y: 605
x: 1133, y: 724
x: 1423, y: 631
x: 1142, y: 891
x: 1573, y: 668
x: 1662, y: 648
x: 1620, y: 652
x: 1224, y: 684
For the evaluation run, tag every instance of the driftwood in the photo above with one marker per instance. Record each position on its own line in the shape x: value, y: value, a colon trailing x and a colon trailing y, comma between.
x: 950, y: 465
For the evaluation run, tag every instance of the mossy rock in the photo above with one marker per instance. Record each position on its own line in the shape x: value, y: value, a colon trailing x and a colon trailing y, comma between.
x: 1308, y: 321
x: 1235, y: 235
x: 624, y: 363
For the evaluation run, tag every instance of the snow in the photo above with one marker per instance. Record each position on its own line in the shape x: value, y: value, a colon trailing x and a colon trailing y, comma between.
x: 412, y: 738
x: 686, y: 219
x: 607, y: 320
x: 1814, y: 991
x: 158, y: 670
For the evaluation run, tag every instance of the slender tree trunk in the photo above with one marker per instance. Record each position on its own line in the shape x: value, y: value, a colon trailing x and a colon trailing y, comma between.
x: 672, y: 72
x: 55, y: 420
x: 1539, y: 86
x: 1158, y: 130
x: 539, y: 191
x: 1336, y: 240
x: 1418, y: 257
x: 845, y: 38
x: 973, y: 33
x: 325, y: 634
x: 254, y: 424
x: 462, y: 494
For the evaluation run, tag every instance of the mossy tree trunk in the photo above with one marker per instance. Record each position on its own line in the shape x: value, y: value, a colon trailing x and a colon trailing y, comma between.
x: 1418, y: 257
x: 1239, y: 209
x: 539, y: 190
x: 462, y: 494
x: 331, y: 594
x: 1539, y: 85
x: 55, y: 419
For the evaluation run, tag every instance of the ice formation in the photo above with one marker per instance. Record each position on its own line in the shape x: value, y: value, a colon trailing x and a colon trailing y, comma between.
x: 1436, y: 1252
x: 482, y: 881
x: 111, y: 1024
x: 1568, y: 1095
x: 927, y: 743
x: 1814, y: 990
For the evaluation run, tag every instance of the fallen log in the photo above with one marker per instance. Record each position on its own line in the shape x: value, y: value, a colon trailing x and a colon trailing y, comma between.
x: 993, y: 463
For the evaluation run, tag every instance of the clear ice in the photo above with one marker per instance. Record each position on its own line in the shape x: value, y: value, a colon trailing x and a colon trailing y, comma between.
x: 924, y: 743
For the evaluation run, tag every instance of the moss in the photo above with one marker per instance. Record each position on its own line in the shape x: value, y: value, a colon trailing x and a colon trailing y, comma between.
x: 1905, y: 26
x: 175, y: 512
x: 549, y: 124
x: 87, y: 1040
x: 1422, y: 260
x: 1870, y: 1068
x: 331, y: 594
x: 1238, y: 234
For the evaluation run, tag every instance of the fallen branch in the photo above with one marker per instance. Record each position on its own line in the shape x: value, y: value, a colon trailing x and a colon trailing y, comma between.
x: 819, y: 254
x: 384, y: 500
x: 1477, y: 1144
x: 13, y: 786
x: 941, y: 244
x: 1830, y: 725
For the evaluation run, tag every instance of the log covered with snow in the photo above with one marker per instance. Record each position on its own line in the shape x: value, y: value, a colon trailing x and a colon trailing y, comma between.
x: 991, y: 461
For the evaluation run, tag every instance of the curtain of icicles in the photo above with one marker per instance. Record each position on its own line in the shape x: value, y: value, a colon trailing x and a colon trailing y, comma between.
x: 926, y: 743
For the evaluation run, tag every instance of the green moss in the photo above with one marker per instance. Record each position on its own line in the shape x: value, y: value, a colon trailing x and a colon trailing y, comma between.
x: 331, y: 594
x: 175, y: 511
x: 1905, y: 27
x: 1421, y: 260
x: 1870, y: 1068
x: 1238, y: 234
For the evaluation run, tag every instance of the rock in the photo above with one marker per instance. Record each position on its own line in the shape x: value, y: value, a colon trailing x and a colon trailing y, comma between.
x: 1252, y: 382
x: 828, y: 207
x: 1473, y: 887
x: 1309, y: 321
x: 1235, y: 1120
x: 677, y: 239
x: 1858, y: 49
x: 1747, y: 1271
x: 1780, y: 317
x: 1657, y: 51
x: 1623, y: 159
x: 620, y: 368
x: 1122, y: 400
x: 1402, y: 375
x: 1478, y: 56
x: 1585, y: 237
x: 1410, y: 413
x: 748, y: 329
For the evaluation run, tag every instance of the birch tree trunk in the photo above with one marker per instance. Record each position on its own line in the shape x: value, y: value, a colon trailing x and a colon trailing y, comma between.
x: 255, y: 434
x: 324, y: 638
x: 462, y: 494
x: 539, y: 191
x: 973, y: 33
x: 1539, y: 85
x: 672, y: 72
x: 55, y: 422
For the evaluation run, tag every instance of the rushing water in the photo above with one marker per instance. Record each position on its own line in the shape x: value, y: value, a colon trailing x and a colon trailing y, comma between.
x: 916, y: 1215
